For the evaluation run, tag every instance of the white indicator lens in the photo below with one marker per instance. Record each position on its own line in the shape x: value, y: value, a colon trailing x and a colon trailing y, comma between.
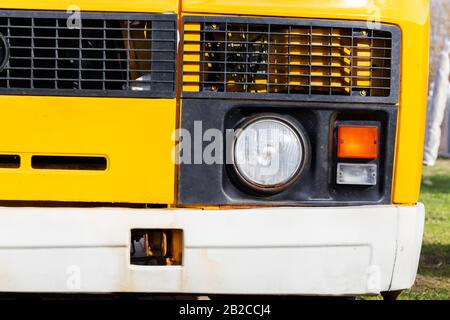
x: 268, y: 153
x: 357, y: 174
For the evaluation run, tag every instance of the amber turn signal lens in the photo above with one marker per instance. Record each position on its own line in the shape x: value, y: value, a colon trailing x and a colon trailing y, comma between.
x: 357, y: 142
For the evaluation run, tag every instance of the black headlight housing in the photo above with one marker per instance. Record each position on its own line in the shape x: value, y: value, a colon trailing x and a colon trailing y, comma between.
x: 217, y: 184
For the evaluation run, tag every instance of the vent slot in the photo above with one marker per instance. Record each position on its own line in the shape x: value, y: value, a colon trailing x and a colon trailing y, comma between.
x: 109, y: 55
x: 291, y: 57
x: 9, y: 161
x: 69, y: 163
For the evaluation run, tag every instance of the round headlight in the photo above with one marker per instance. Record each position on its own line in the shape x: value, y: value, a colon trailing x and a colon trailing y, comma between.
x: 269, y: 153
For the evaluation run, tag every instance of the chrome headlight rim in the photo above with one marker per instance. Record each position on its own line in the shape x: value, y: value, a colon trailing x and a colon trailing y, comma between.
x: 295, y: 126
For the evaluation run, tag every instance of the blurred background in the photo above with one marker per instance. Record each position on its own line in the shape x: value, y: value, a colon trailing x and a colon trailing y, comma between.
x: 433, y: 279
x: 440, y: 30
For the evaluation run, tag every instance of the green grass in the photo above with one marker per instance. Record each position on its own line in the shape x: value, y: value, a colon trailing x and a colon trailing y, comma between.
x: 433, y: 279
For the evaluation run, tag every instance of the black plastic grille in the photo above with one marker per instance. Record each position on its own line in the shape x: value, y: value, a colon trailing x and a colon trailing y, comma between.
x: 227, y: 55
x: 108, y: 55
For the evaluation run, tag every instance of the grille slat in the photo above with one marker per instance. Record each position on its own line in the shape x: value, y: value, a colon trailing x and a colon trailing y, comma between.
x: 259, y: 57
x: 109, y: 55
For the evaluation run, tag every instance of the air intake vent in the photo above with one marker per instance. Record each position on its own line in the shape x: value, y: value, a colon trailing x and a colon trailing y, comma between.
x: 100, y: 55
x: 262, y: 57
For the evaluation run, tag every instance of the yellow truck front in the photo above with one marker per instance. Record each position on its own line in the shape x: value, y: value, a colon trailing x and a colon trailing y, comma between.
x: 212, y: 146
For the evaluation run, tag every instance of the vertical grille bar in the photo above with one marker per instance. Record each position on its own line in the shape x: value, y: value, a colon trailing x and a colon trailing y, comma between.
x: 32, y: 54
x: 104, y: 56
x: 352, y: 53
x: 56, y: 54
x: 80, y: 55
x: 310, y: 59
x: 225, y: 77
x: 127, y: 84
x: 289, y: 58
x: 8, y: 63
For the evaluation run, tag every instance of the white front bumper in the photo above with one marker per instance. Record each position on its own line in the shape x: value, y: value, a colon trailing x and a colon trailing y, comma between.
x: 311, y: 251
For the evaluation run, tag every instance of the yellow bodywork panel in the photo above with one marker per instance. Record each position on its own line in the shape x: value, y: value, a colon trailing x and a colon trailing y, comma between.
x: 412, y: 16
x: 134, y: 135
x: 155, y: 6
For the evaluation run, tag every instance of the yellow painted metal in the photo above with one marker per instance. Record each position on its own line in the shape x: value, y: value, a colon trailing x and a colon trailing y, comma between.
x: 191, y: 57
x: 156, y: 6
x: 412, y: 16
x: 133, y: 134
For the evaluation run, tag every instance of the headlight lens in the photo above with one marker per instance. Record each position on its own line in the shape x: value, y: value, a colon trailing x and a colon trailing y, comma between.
x: 268, y: 153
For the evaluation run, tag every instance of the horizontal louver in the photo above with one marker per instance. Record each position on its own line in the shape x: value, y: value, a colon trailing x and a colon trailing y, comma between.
x: 265, y: 56
x: 100, y: 55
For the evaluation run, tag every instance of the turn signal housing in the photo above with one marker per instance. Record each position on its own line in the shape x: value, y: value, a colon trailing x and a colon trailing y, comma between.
x: 357, y: 142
